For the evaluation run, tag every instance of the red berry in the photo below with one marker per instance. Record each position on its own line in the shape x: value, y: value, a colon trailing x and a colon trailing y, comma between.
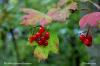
x: 41, y: 30
x: 82, y: 37
x: 40, y: 42
x: 43, y: 39
x: 32, y: 38
x: 87, y: 42
x: 47, y: 35
x: 38, y: 34
x: 89, y: 38
x: 45, y: 43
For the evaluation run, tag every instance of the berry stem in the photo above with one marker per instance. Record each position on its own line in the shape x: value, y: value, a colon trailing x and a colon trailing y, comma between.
x: 35, y: 26
x: 33, y: 31
x: 89, y: 29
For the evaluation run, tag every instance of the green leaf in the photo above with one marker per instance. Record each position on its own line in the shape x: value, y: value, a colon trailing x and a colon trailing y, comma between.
x: 53, y: 42
x: 41, y: 52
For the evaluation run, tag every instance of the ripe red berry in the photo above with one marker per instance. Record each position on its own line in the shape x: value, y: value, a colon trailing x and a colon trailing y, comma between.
x: 89, y: 38
x: 40, y: 42
x: 41, y: 30
x: 43, y: 39
x: 45, y: 43
x: 38, y: 34
x: 82, y: 37
x: 40, y: 37
x: 32, y: 38
x: 87, y: 42
x: 47, y: 35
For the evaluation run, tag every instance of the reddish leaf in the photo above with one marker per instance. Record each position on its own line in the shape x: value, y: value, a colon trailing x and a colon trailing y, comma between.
x: 73, y: 6
x: 91, y: 19
x: 33, y: 17
x: 58, y: 14
x: 61, y: 2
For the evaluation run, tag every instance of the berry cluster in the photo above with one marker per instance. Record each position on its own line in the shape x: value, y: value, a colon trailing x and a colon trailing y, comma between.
x: 87, y: 40
x: 40, y: 37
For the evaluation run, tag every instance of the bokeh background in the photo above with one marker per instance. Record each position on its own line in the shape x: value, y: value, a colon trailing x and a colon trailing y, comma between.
x: 14, y: 46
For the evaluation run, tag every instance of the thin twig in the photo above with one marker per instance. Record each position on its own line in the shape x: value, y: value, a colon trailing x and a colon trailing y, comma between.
x: 96, y: 5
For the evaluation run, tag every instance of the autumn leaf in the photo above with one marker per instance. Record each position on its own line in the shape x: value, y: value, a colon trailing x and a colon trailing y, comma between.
x: 34, y: 17
x: 73, y: 6
x: 59, y: 14
x: 91, y: 19
x: 62, y: 14
x: 42, y: 52
x: 70, y: 4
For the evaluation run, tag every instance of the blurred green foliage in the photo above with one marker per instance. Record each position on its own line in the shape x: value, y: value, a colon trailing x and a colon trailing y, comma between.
x: 71, y: 50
